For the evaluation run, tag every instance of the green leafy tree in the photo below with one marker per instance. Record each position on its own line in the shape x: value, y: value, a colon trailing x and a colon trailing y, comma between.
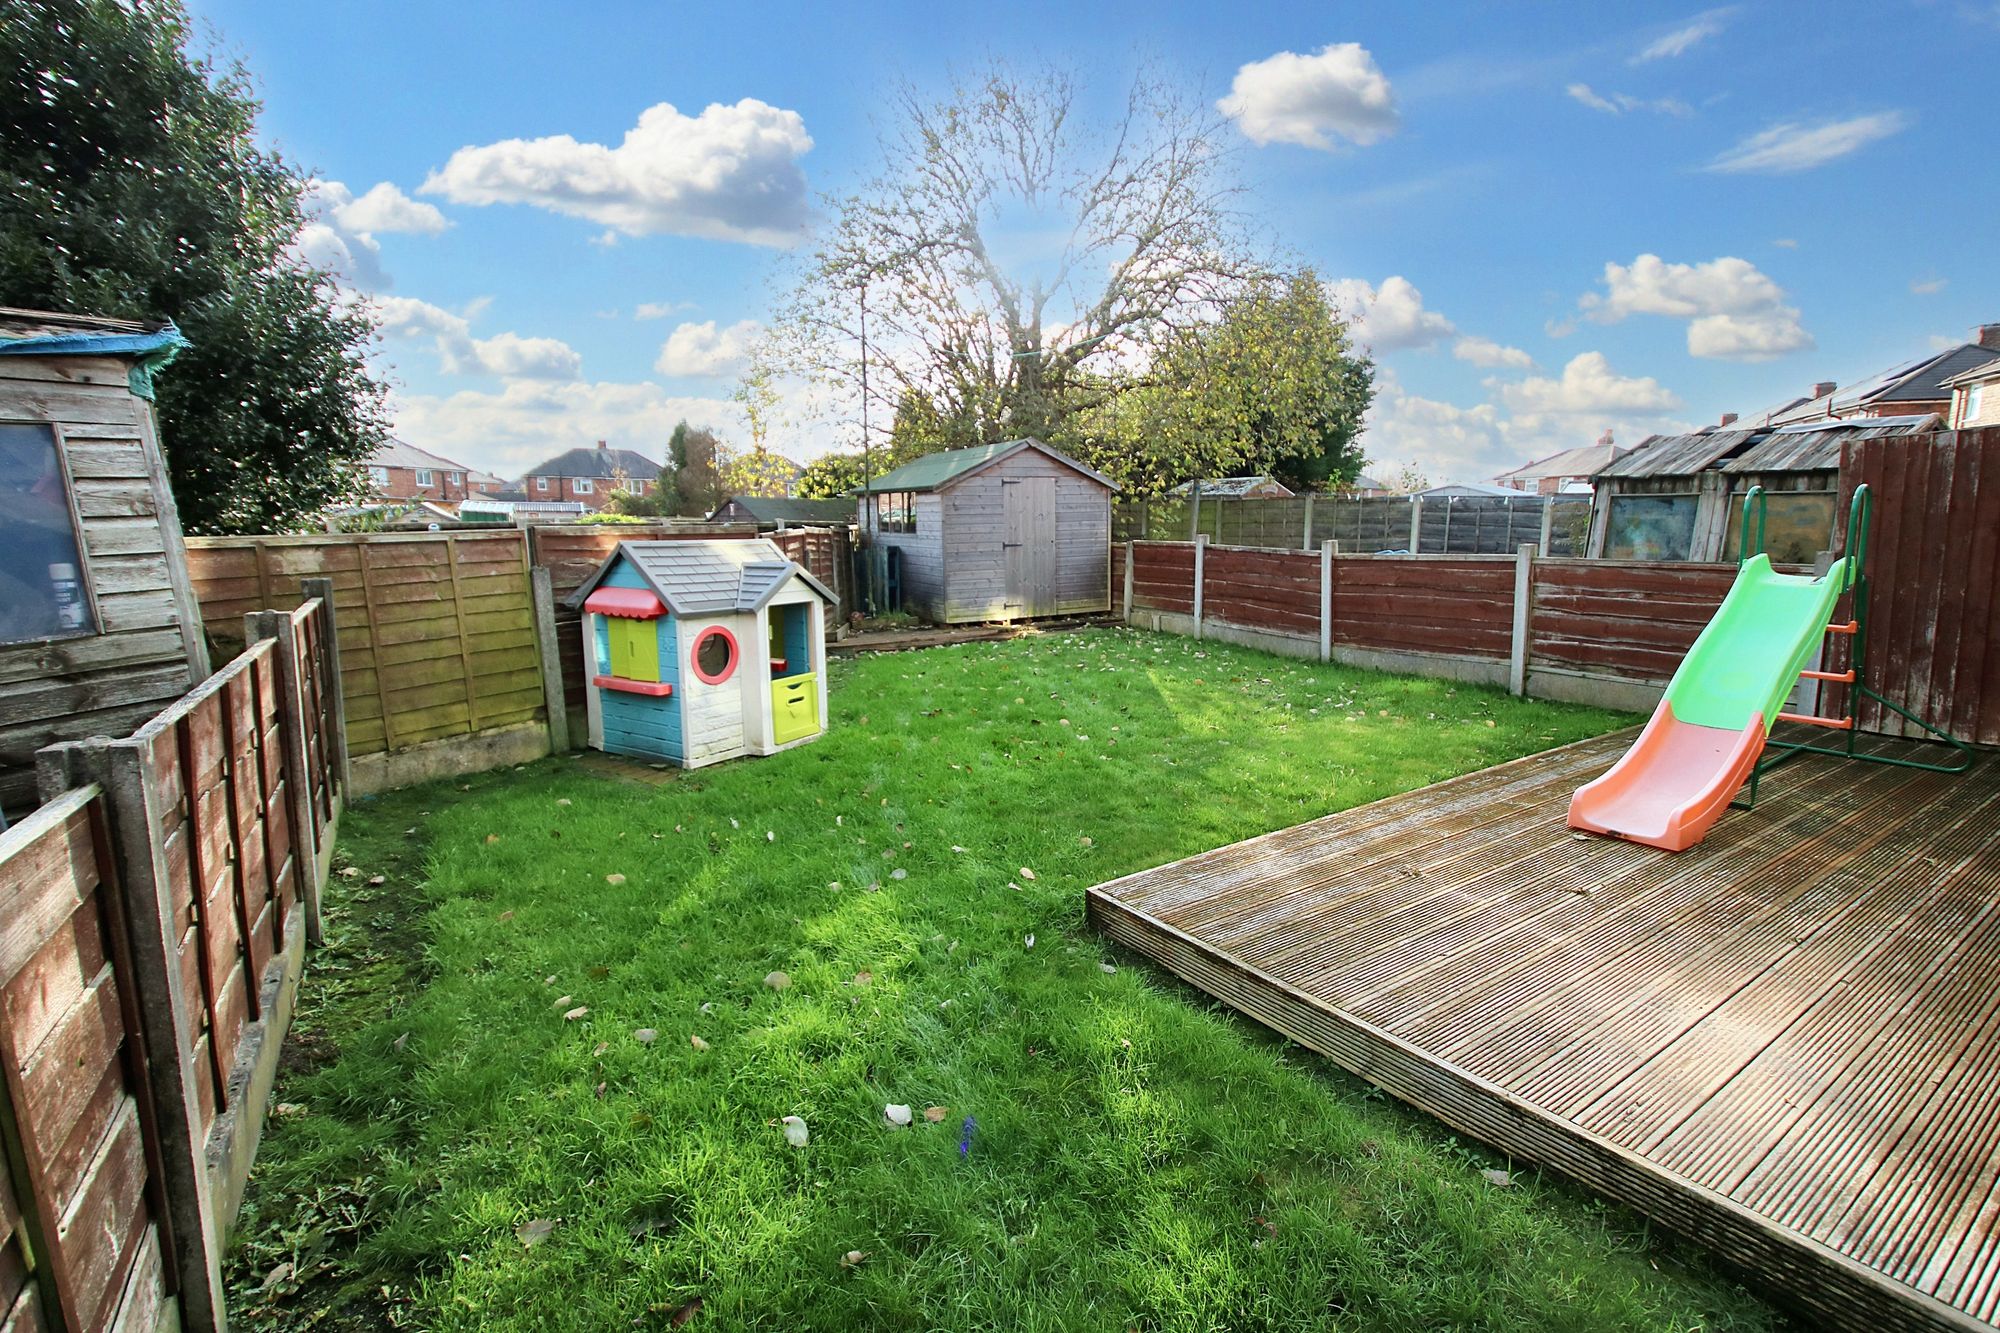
x: 697, y: 456
x: 831, y: 476
x: 758, y: 472
x: 1271, y: 386
x: 134, y: 187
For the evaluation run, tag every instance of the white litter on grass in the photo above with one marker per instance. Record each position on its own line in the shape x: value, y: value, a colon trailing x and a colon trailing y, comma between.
x: 896, y: 1114
x: 796, y: 1132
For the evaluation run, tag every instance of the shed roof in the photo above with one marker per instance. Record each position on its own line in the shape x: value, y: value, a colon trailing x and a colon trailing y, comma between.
x: 784, y: 509
x: 1815, y: 446
x: 936, y: 471
x: 148, y: 346
x: 1582, y: 461
x: 1227, y: 488
x: 1677, y: 455
x: 704, y: 577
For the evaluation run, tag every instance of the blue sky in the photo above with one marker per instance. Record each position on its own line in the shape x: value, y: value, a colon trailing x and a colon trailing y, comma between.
x: 1548, y: 221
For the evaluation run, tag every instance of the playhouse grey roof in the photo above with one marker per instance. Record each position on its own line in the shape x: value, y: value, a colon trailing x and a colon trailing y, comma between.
x: 936, y: 471
x: 701, y: 578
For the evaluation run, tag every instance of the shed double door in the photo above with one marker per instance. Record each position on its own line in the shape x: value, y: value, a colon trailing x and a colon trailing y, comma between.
x: 1029, y: 547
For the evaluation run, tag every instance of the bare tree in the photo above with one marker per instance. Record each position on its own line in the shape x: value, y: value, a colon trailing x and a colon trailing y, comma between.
x: 1018, y: 264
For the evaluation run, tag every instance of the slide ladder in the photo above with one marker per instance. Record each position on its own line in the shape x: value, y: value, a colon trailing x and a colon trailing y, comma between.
x: 1710, y: 734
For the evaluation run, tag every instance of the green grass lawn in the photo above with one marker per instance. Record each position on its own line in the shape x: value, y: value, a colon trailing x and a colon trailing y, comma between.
x: 471, y: 1136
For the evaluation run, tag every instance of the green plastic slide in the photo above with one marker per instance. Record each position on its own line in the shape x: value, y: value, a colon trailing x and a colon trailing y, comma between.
x: 1749, y: 658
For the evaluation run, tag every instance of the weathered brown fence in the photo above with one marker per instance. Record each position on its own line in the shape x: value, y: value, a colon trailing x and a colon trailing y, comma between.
x: 438, y: 655
x: 153, y: 920
x: 1586, y: 630
x: 1365, y: 525
x: 1934, y: 558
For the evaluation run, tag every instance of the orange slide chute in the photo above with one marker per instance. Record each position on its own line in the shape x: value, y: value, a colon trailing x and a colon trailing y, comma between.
x: 1670, y: 787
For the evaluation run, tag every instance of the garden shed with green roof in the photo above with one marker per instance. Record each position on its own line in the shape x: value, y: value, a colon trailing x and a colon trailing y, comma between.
x: 1006, y: 531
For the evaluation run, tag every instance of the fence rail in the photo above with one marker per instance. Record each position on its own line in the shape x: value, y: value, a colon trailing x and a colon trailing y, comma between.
x: 1366, y: 525
x: 154, y: 913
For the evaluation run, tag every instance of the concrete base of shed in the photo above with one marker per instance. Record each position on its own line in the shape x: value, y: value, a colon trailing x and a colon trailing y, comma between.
x: 449, y: 758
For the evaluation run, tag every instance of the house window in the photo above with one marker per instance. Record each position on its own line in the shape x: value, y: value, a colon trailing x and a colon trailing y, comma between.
x: 895, y: 511
x: 1650, y: 527
x: 541, y: 483
x: 715, y: 655
x: 426, y: 477
x: 581, y: 485
x: 1975, y: 399
x: 457, y: 478
x: 44, y: 592
x: 378, y: 476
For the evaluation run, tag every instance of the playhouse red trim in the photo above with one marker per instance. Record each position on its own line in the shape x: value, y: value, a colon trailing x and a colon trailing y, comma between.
x: 631, y: 603
x: 694, y: 655
x: 658, y: 689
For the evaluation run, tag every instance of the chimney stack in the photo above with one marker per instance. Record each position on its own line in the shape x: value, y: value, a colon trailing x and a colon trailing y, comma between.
x: 1823, y: 388
x: 1605, y: 439
x: 1987, y: 335
x: 601, y: 444
x: 1728, y: 418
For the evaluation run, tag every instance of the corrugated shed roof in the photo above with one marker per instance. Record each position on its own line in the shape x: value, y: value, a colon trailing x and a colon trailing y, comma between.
x: 582, y: 462
x: 1677, y: 455
x: 941, y: 469
x: 698, y: 578
x: 1795, y: 450
x: 1582, y: 461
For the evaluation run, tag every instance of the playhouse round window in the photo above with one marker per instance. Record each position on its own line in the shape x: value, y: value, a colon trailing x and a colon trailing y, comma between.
x: 715, y: 655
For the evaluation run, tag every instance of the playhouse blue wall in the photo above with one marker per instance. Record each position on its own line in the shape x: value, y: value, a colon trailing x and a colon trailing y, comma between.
x: 637, y: 724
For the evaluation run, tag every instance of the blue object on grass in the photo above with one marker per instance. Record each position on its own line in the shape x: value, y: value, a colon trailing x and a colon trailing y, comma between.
x: 965, y: 1136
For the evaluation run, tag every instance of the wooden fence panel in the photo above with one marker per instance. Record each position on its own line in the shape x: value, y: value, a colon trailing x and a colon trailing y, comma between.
x: 74, y: 1103
x: 1622, y: 619
x: 1259, y: 589
x: 436, y: 630
x: 1461, y: 607
x: 1163, y: 577
x: 1934, y: 557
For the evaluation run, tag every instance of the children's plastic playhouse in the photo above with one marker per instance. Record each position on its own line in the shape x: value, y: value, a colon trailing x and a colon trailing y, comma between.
x: 699, y: 651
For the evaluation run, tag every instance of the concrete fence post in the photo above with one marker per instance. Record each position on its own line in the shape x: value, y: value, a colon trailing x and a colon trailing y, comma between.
x: 1306, y: 537
x: 1524, y: 598
x: 541, y: 591
x: 1200, y: 562
x: 1194, y: 513
x: 1548, y: 522
x: 277, y: 626
x: 1416, y: 525
x: 1131, y: 558
x: 1326, y: 553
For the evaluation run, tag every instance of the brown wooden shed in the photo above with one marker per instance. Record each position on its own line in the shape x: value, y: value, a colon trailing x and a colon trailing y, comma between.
x: 1004, y: 531
x: 98, y: 624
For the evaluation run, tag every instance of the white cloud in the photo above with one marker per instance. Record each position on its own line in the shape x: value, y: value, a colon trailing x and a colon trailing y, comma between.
x: 384, y: 209
x: 340, y: 230
x: 1618, y: 104
x: 1735, y: 312
x: 1588, y: 387
x: 1786, y: 243
x: 1389, y: 316
x: 1313, y: 100
x: 1485, y: 352
x: 1443, y: 441
x: 705, y: 349
x: 1799, y: 147
x: 730, y: 173
x: 508, y: 355
x: 659, y: 309
x: 1927, y: 286
x: 1684, y: 38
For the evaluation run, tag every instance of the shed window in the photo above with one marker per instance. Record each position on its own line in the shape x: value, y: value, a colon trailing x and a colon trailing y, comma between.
x: 1650, y: 527
x: 43, y: 589
x: 715, y: 655
x: 1798, y: 525
x: 896, y: 511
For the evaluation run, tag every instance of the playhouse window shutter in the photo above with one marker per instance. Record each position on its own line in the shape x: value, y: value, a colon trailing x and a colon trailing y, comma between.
x: 635, y: 649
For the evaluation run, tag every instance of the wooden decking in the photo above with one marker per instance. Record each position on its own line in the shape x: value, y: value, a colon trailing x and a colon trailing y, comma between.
x: 1784, y: 1043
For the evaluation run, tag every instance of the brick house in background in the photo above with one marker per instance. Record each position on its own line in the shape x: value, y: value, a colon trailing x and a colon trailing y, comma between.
x: 589, y: 476
x: 398, y: 471
x: 1570, y: 470
x: 1915, y: 388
